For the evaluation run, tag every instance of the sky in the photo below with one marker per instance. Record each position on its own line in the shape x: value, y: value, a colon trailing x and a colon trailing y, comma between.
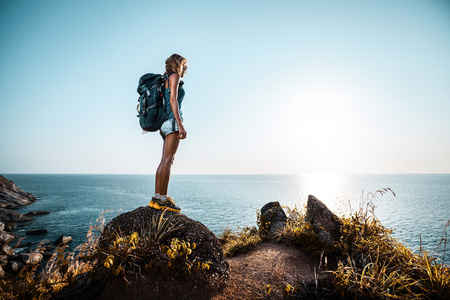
x: 273, y: 87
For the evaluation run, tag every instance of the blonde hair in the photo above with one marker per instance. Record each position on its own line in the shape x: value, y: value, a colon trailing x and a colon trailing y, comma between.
x: 174, y: 63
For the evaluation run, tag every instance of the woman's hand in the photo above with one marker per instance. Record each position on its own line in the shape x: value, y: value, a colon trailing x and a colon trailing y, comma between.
x: 182, y: 133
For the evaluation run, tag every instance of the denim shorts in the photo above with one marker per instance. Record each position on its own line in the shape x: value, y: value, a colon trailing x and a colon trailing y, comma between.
x: 168, y: 127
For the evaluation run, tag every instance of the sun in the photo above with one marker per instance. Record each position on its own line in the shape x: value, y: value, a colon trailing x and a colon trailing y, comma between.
x: 325, y: 128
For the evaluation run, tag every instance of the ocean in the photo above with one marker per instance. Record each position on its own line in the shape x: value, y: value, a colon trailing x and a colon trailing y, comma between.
x: 419, y: 210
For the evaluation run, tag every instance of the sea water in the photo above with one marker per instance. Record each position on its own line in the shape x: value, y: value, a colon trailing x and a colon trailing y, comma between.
x: 419, y: 210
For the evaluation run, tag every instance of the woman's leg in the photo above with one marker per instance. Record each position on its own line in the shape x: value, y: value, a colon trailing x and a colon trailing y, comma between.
x: 158, y: 171
x: 170, y: 147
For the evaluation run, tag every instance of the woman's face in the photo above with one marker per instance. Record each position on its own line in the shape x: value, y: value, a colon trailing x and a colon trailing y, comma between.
x: 183, y: 69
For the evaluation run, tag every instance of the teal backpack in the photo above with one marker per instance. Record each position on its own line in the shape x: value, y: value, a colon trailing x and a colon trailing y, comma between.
x: 152, y: 106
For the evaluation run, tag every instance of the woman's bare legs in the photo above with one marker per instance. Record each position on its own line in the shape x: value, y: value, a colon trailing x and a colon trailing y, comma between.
x: 158, y: 171
x: 162, y: 178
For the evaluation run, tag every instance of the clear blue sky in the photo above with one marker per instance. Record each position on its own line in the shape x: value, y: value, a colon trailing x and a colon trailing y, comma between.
x: 272, y: 86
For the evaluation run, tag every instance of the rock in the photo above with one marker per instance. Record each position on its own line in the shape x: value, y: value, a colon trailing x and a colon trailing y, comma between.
x: 7, y: 215
x: 13, y: 266
x: 62, y: 240
x: 2, y: 226
x: 7, y: 249
x: 273, y: 217
x: 6, y: 237
x: 208, y: 245
x: 47, y: 254
x: 4, y: 259
x: 10, y: 226
x: 31, y: 258
x: 37, y: 213
x: 2, y: 273
x: 159, y: 282
x: 12, y: 196
x: 29, y: 244
x: 36, y: 231
x: 325, y: 222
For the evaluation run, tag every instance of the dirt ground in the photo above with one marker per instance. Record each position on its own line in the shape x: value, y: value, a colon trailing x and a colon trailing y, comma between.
x: 250, y: 273
x: 274, y: 264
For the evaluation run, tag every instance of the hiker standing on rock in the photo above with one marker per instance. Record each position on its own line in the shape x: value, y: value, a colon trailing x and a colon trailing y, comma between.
x: 172, y: 131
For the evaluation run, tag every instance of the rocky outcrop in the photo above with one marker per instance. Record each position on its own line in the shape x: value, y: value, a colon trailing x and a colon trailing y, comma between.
x: 208, y: 245
x: 11, y: 216
x: 160, y: 283
x: 11, y: 196
x: 326, y: 224
x: 273, y: 218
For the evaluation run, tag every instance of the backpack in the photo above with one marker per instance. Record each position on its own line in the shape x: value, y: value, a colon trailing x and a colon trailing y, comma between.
x: 152, y: 106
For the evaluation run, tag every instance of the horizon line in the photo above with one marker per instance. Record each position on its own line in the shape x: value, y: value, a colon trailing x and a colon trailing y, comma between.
x: 231, y: 174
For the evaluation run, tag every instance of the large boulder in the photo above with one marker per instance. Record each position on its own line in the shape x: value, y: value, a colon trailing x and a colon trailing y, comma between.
x: 326, y: 224
x: 208, y: 245
x: 272, y: 219
x: 162, y: 282
x: 11, y: 196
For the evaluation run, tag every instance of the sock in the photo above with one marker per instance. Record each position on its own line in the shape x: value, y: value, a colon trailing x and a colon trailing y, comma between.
x: 157, y: 195
x: 163, y: 197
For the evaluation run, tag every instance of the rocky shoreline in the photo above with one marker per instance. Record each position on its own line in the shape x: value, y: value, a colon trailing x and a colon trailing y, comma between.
x: 13, y: 197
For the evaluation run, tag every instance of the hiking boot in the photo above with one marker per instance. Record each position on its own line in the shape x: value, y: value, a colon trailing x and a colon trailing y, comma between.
x: 168, y: 204
x: 152, y: 202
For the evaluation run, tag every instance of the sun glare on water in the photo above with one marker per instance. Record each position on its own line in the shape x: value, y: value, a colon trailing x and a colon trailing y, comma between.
x: 332, y: 189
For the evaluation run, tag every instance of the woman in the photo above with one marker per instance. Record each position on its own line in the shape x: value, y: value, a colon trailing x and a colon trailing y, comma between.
x: 172, y: 131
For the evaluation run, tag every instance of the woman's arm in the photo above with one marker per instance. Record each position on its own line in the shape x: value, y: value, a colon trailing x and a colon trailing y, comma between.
x: 174, y: 81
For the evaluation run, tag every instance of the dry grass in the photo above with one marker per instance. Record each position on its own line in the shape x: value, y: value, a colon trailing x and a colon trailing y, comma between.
x: 376, y: 265
x: 371, y: 263
x: 241, y: 241
x: 106, y: 253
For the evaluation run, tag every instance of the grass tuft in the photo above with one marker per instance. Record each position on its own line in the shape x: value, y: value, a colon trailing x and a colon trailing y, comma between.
x: 241, y: 241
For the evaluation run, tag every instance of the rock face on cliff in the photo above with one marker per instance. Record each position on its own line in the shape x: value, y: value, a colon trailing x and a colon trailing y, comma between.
x: 325, y: 222
x: 11, y: 196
